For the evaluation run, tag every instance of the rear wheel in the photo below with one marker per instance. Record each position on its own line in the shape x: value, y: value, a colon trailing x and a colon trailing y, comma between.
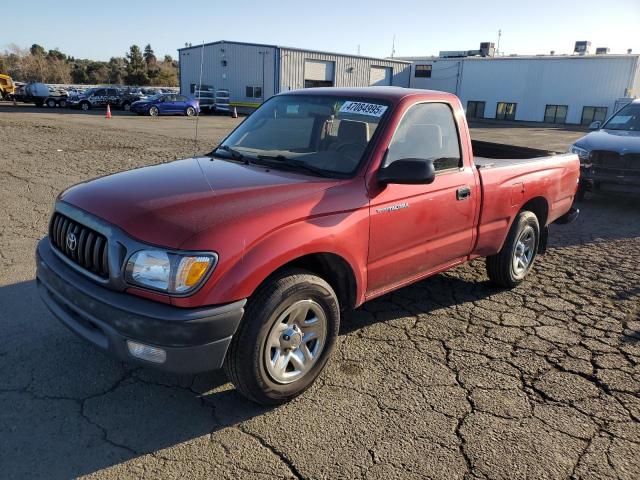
x: 283, y: 343
x: 154, y: 112
x: 85, y: 106
x: 51, y: 103
x: 191, y: 111
x: 509, y: 267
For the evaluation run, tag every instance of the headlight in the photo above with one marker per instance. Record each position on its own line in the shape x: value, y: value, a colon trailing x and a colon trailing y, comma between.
x: 582, y: 153
x: 169, y: 272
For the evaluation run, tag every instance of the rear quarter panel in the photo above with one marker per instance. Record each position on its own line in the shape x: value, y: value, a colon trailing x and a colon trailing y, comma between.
x: 506, y: 189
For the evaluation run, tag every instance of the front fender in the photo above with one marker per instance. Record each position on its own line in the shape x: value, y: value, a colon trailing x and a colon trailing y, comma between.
x: 345, y: 234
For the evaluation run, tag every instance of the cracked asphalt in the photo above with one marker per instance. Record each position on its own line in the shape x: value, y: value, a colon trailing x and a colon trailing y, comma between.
x: 448, y: 378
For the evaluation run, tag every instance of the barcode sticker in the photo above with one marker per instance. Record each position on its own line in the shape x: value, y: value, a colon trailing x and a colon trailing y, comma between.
x: 371, y: 109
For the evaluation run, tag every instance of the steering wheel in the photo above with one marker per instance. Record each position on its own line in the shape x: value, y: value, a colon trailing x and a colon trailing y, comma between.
x: 352, y: 150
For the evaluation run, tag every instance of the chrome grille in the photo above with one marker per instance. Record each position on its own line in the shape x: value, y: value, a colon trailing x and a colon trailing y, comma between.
x: 79, y: 244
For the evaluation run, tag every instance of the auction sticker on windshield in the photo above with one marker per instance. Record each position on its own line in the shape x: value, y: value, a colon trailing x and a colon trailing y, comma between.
x: 371, y: 109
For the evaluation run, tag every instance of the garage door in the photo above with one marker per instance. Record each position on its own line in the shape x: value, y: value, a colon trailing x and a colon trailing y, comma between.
x: 380, y: 76
x: 318, y: 73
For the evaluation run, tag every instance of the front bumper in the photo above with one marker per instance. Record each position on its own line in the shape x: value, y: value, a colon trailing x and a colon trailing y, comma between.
x: 195, y: 340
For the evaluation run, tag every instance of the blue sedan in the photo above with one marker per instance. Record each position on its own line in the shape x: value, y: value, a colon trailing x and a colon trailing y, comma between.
x: 166, y: 104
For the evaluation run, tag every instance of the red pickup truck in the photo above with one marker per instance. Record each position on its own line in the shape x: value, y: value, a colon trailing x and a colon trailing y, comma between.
x: 319, y: 201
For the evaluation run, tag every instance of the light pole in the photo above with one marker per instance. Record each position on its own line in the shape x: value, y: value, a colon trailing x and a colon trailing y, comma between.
x: 264, y: 54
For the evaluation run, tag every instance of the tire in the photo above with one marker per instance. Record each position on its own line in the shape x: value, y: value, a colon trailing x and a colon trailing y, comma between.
x: 63, y: 103
x: 154, y: 112
x: 86, y: 106
x: 509, y: 267
x: 269, y: 318
x: 51, y: 103
x: 190, y: 111
x: 126, y: 106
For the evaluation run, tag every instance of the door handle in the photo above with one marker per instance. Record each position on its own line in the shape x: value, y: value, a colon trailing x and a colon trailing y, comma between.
x: 463, y: 192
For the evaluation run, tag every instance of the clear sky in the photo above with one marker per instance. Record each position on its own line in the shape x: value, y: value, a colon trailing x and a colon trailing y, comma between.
x: 100, y: 30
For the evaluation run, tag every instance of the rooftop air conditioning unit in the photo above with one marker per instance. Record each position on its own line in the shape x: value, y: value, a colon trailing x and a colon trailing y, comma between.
x: 487, y: 49
x: 582, y: 47
x: 602, y: 50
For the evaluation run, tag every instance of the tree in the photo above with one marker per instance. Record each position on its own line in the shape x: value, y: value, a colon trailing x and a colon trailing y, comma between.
x: 37, y: 50
x: 55, y: 53
x: 97, y: 72
x: 136, y: 67
x: 149, y: 56
x: 117, y: 70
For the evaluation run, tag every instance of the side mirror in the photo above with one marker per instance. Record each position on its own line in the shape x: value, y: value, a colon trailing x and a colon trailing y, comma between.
x: 595, y: 125
x: 410, y: 171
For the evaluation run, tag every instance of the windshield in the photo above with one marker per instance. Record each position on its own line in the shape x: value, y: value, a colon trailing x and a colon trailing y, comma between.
x: 626, y: 119
x: 325, y: 133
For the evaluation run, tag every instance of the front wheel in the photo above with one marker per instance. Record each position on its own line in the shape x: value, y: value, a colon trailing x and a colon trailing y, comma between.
x: 191, y: 111
x: 289, y: 330
x: 86, y: 106
x: 126, y: 106
x: 512, y: 263
x: 154, y: 112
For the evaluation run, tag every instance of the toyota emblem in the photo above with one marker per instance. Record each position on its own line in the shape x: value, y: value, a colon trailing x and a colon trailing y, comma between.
x: 72, y: 242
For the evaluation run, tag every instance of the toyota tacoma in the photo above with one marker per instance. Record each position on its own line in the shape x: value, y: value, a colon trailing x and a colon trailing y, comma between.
x: 322, y: 199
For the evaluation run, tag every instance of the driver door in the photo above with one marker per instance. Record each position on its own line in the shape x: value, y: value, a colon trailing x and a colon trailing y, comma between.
x: 417, y: 229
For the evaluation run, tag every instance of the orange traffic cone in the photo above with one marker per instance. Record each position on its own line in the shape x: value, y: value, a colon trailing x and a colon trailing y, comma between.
x: 108, y: 111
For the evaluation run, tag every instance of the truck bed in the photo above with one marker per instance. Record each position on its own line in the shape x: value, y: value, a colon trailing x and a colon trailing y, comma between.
x: 489, y: 154
x: 550, y: 177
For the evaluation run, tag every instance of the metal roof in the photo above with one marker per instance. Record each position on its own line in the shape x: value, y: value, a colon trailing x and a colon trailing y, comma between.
x: 283, y: 47
x: 521, y: 57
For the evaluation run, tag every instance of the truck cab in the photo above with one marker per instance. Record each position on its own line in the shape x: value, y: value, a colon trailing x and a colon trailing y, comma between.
x: 7, y: 87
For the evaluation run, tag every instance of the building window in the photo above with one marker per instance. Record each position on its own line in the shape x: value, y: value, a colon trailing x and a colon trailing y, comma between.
x: 506, y: 111
x: 475, y: 109
x: 317, y: 83
x: 423, y: 71
x: 555, y: 114
x: 254, y: 92
x: 593, y: 114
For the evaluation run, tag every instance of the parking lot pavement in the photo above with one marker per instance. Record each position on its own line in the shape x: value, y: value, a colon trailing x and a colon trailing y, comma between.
x: 448, y: 378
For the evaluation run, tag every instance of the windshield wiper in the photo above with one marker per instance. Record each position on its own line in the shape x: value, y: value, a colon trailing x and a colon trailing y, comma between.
x: 235, y: 154
x: 297, y: 164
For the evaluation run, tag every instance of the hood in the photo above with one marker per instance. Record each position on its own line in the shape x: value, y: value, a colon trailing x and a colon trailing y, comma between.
x: 167, y: 204
x: 619, y: 141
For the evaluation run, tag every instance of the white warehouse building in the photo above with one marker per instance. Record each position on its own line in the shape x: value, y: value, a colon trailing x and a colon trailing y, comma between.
x: 573, y: 89
x: 254, y: 72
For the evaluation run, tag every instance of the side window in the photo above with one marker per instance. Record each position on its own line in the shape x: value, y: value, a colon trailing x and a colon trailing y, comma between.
x: 427, y: 130
x: 112, y: 92
x: 181, y: 98
x: 101, y: 92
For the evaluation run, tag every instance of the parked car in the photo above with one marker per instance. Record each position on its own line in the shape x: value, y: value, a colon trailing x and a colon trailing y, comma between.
x: 100, y: 97
x: 610, y: 156
x: 319, y: 201
x: 166, y: 104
